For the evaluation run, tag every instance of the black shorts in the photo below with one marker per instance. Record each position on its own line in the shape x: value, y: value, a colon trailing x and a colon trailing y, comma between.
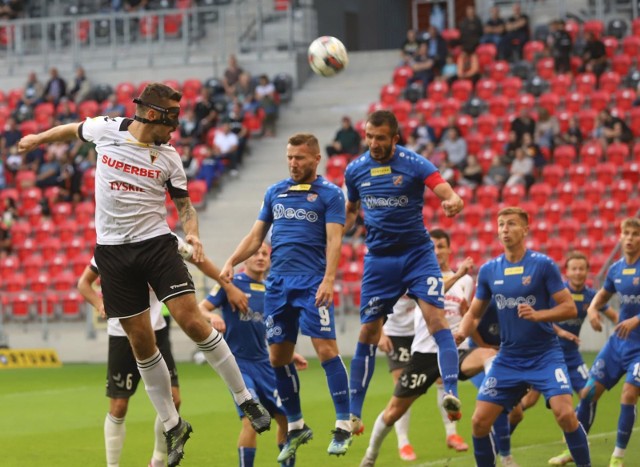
x: 420, y: 374
x: 122, y: 371
x: 127, y: 271
x: 401, y: 354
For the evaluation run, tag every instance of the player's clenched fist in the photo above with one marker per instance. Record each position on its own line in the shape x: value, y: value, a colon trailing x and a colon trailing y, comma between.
x: 452, y: 206
x: 28, y: 143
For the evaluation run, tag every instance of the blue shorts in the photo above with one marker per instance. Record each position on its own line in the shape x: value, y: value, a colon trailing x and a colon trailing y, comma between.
x: 289, y: 306
x: 509, y: 378
x: 578, y: 370
x: 617, y: 357
x: 386, y: 278
x: 261, y: 383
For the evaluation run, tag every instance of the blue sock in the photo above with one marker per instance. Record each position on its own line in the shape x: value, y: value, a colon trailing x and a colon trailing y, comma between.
x: 246, y: 456
x: 625, y: 425
x: 502, y: 434
x: 362, y: 366
x: 338, y: 386
x: 288, y: 386
x: 291, y: 462
x: 586, y: 412
x: 447, y: 360
x: 578, y: 447
x: 483, y: 450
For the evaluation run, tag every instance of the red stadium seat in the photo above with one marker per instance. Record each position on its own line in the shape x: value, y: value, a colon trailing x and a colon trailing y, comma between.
x: 540, y: 193
x: 473, y: 214
x: 474, y: 143
x: 8, y: 265
x: 437, y: 90
x: 591, y: 152
x: 599, y: 100
x: 621, y: 64
x: 486, y: 55
x: 610, y: 45
x: 426, y: 107
x: 574, y: 101
x: 465, y: 193
x: 449, y: 107
x: 553, y: 211
x: 15, y: 282
x: 438, y: 124
x: 552, y: 174
x: 336, y: 166
x: 633, y: 207
x: 564, y: 117
x: 578, y: 174
x: 617, y: 153
x: 464, y: 123
x: 352, y: 272
x: 513, y: 195
x: 408, y: 127
x: 532, y: 49
x: 608, y: 210
x: 564, y: 155
x: 487, y: 195
x: 461, y: 89
x: 625, y: 99
x: 402, y: 75
x: 20, y: 230
x: 524, y: 101
x: 631, y: 46
x: 593, y: 191
x: 585, y: 83
x: 610, y: 81
x: 549, y: 102
x: 38, y: 283
x: 511, y: 87
x: 191, y: 88
x: 485, y: 88
x: 402, y: 110
x: 621, y: 190
x: 583, y: 244
x: 18, y: 306
x: 540, y: 231
x: 29, y: 127
x: 460, y: 233
x: 560, y: 84
x: 634, y: 124
x: 631, y: 172
x: 72, y: 304
x: 485, y: 159
x: 581, y: 210
x: 486, y: 124
x: 61, y: 212
x: 63, y: 281
x: 499, y: 70
x: 587, y: 120
x: 498, y: 105
x: 595, y: 27
x: 498, y: 140
x: 546, y: 68
x: 556, y: 248
x: 595, y: 229
x: 29, y: 197
x: 568, y: 229
x: 566, y: 193
x: 487, y: 233
x: 50, y: 248
x: 389, y: 94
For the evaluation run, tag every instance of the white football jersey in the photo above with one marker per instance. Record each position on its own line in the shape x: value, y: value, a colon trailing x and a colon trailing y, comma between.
x: 131, y: 181
x: 461, y: 292
x: 400, y: 322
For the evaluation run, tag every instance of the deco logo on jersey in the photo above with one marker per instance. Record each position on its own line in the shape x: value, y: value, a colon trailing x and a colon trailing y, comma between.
x: 279, y: 211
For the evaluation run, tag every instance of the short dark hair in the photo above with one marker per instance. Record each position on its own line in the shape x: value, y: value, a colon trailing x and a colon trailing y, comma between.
x: 576, y: 255
x: 159, y: 94
x: 306, y: 139
x: 384, y: 117
x: 524, y: 215
x: 439, y: 233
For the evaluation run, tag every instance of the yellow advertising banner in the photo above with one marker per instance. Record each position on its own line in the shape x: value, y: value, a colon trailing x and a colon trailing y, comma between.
x: 29, y: 358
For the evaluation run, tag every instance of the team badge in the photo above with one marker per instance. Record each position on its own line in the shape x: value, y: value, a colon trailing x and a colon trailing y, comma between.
x: 153, y: 155
x: 311, y: 197
x: 397, y: 180
x: 636, y: 281
x: 526, y: 280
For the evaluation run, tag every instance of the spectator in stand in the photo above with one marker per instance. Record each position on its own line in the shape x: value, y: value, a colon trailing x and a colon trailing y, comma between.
x: 9, y: 137
x: 50, y: 170
x: 70, y: 179
x: 532, y: 149
x: 456, y: 148
x: 446, y: 169
x: 423, y: 66
x: 81, y: 86
x: 510, y: 148
x: 517, y: 34
x: 494, y: 28
x: 9, y: 211
x: 547, y: 129
x: 204, y: 104
x: 470, y: 29
x: 523, y: 123
x: 521, y: 172
x: 189, y: 163
x: 135, y: 5
x: 113, y: 108
x: 225, y: 146
x: 437, y: 47
x: 346, y: 141
x: 472, y: 172
x: 450, y: 69
x: 236, y: 122
x: 409, y: 47
x: 56, y: 87
x: 231, y: 75
x: 83, y: 154
x: 11, y: 9
x: 425, y: 137
x: 3, y: 180
x: 13, y: 161
x: 31, y: 92
x: 560, y: 44
x: 498, y: 173
x: 65, y: 114
x: 189, y: 128
x: 5, y: 240
x: 245, y: 88
x: 468, y: 65
x: 266, y: 95
x: 573, y: 135
x: 594, y: 55
x: 612, y: 129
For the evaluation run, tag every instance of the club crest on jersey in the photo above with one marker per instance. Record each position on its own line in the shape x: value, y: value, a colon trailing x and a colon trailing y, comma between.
x: 397, y: 180
x: 311, y: 197
x: 153, y: 155
x: 526, y: 280
x: 636, y: 281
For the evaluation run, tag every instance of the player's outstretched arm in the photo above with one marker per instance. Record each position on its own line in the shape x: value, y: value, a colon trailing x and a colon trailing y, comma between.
x: 324, y: 295
x: 57, y: 133
x: 85, y: 287
x: 217, y: 322
x: 189, y: 220
x: 601, y: 299
x: 352, y: 210
x: 236, y: 297
x: 247, y: 247
x: 450, y: 201
x: 564, y: 310
x: 471, y: 319
x: 464, y: 268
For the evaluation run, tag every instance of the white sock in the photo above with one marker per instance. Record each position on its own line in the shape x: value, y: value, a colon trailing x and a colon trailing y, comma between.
x: 618, y: 452
x: 159, y: 458
x: 449, y: 426
x: 297, y: 425
x: 378, y: 434
x: 402, y: 429
x: 114, y: 431
x: 487, y: 364
x: 157, y: 382
x: 219, y: 356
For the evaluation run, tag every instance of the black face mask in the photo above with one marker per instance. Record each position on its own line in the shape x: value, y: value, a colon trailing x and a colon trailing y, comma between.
x: 169, y: 115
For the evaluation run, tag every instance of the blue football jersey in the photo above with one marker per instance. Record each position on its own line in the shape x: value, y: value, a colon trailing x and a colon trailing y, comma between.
x: 624, y: 279
x: 531, y: 281
x: 391, y: 195
x: 583, y: 299
x: 299, y: 214
x: 246, y: 332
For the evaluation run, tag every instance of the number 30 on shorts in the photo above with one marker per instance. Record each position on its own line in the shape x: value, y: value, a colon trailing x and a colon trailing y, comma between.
x: 433, y: 283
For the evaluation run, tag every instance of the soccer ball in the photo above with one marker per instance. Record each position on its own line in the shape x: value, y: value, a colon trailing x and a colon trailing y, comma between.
x: 327, y: 56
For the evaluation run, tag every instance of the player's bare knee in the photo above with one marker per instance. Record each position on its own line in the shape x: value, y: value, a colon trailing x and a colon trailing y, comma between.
x: 566, y: 417
x: 326, y: 349
x: 630, y: 394
x: 480, y: 425
x: 370, y: 332
x: 118, y: 407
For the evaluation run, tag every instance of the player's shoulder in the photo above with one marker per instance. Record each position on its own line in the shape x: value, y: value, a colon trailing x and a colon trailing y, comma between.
x: 534, y: 256
x: 617, y: 266
x: 322, y: 184
x: 358, y: 163
x: 279, y: 185
x: 492, y: 264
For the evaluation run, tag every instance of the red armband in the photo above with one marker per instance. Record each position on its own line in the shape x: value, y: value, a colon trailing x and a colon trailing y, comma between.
x: 434, y: 180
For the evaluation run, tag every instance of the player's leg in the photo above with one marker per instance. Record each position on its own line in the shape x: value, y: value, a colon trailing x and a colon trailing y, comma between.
x: 381, y: 288
x: 247, y: 444
x: 574, y: 434
x: 516, y: 416
x: 627, y: 418
x: 115, y: 430
x: 405, y: 449
x: 483, y: 418
x: 281, y: 438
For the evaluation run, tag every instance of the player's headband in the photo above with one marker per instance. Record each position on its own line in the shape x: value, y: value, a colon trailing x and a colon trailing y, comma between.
x: 169, y: 115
